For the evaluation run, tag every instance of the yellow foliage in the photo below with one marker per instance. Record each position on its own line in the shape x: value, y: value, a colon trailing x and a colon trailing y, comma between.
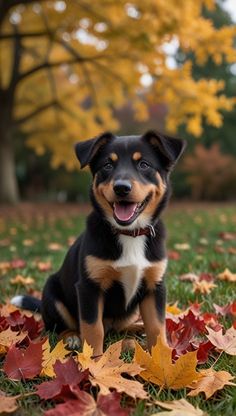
x: 83, y: 59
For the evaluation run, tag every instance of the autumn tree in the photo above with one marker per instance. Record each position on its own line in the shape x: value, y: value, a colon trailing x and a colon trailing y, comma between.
x: 65, y: 65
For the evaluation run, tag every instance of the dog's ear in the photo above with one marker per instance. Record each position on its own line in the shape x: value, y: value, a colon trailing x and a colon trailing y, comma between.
x: 169, y: 148
x: 86, y: 150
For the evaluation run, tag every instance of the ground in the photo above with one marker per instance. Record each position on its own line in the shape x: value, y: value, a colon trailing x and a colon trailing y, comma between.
x: 201, y: 239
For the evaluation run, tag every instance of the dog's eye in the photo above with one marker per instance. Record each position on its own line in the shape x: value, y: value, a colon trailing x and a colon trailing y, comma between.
x: 143, y: 165
x: 108, y: 166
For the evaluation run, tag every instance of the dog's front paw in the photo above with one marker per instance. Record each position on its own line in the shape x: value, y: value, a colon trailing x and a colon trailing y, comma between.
x: 72, y: 340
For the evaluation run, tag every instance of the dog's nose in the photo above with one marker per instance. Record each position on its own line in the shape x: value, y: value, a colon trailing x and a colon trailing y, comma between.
x: 122, y: 187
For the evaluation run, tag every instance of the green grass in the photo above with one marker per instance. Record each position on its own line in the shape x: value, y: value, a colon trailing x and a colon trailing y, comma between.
x: 199, y: 227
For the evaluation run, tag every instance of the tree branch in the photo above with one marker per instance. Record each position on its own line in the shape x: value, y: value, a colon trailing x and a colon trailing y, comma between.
x: 36, y: 112
x: 11, y: 36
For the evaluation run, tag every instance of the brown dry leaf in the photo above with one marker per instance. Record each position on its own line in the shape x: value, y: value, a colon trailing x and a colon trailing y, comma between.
x: 227, y: 275
x: 179, y: 408
x: 7, y: 404
x: 9, y: 337
x: 191, y: 277
x: 210, y: 382
x: 226, y: 342
x: 50, y: 357
x: 24, y: 281
x: 158, y: 367
x: 44, y: 266
x: 4, y: 266
x: 107, y: 372
x: 28, y: 243
x: 203, y: 287
x: 55, y: 246
x: 7, y: 309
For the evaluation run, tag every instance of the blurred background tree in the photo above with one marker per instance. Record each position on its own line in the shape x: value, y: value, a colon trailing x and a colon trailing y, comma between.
x: 68, y: 67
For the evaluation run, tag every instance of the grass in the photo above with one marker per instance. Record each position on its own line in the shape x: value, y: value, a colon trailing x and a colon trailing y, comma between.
x: 199, y: 227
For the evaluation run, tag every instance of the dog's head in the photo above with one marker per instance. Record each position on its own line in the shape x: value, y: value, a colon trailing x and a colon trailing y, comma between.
x: 130, y: 174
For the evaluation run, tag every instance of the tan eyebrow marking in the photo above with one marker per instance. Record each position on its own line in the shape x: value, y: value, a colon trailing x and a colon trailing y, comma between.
x: 114, y: 157
x: 137, y: 156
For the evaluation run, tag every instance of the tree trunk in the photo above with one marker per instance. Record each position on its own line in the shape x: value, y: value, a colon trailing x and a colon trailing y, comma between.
x: 8, y: 183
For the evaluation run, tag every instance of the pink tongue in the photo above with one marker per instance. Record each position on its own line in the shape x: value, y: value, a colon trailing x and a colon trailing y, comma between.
x: 124, y: 212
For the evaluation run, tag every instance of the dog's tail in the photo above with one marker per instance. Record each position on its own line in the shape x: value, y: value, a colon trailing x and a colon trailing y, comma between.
x: 27, y: 302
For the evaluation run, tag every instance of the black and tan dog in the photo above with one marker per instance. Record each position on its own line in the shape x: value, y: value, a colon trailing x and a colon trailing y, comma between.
x: 117, y: 265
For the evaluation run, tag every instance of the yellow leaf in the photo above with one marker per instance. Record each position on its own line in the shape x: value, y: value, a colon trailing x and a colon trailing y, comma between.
x: 24, y: 281
x: 203, y: 287
x: 9, y: 337
x: 50, y: 357
x: 210, y: 382
x: 173, y: 309
x: 158, y: 367
x: 107, y: 371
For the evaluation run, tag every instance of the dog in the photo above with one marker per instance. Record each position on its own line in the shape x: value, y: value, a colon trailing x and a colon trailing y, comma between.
x: 117, y: 265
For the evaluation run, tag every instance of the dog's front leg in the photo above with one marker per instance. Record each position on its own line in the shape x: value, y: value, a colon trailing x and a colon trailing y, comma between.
x: 90, y: 300
x: 152, y: 310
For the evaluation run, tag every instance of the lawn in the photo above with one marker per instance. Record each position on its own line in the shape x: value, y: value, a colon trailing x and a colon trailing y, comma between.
x: 201, y: 239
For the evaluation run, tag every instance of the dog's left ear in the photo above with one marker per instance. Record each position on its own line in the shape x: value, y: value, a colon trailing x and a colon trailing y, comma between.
x: 86, y: 150
x: 170, y: 148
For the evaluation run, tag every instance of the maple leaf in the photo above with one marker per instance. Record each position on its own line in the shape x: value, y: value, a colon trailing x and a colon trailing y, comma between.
x: 173, y: 309
x: 44, y: 266
x: 158, y: 367
x: 9, y: 337
x: 182, y: 246
x: 203, y: 286
x: 55, y: 247
x: 8, y: 404
x: 179, y: 408
x: 50, y: 357
x: 190, y: 277
x: 67, y: 374
x: 210, y: 382
x: 18, y: 264
x: 227, y: 275
x: 24, y: 281
x: 226, y: 342
x: 173, y: 255
x: 229, y: 309
x: 107, y: 372
x: 23, y: 363
x: 85, y: 405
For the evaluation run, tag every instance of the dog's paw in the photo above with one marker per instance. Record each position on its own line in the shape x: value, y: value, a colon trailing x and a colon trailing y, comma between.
x: 72, y: 340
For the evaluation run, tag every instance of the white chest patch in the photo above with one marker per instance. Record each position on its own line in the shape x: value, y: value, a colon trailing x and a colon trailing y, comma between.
x: 131, y: 264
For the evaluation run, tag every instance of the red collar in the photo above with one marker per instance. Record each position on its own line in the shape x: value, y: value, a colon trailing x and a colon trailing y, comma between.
x: 149, y: 230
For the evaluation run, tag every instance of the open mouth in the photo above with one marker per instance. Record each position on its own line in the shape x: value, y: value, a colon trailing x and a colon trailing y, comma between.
x: 126, y: 212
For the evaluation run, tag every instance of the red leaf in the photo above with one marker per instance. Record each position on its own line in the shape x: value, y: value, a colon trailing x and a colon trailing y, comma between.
x: 229, y: 309
x: 85, y: 405
x: 203, y: 350
x: 24, y: 363
x: 18, y: 264
x: 173, y: 255
x: 67, y: 374
x: 206, y: 276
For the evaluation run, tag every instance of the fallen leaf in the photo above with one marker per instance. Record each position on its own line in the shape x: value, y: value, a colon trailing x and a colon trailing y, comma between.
x: 227, y: 275
x: 228, y: 236
x: 229, y: 309
x: 22, y: 363
x: 226, y: 342
x: 179, y: 408
x: 24, y: 281
x: 9, y: 337
x: 55, y: 246
x: 44, y: 266
x: 203, y: 287
x: 182, y: 246
x: 191, y: 277
x: 173, y: 309
x: 173, y: 255
x: 8, y: 404
x: 28, y: 243
x: 232, y: 250
x: 84, y: 405
x: 159, y: 369
x: 50, y: 357
x: 107, y: 371
x: 18, y: 264
x: 210, y: 382
x: 67, y: 374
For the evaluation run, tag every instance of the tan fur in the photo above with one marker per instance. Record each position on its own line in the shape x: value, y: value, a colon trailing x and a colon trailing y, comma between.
x: 137, y: 156
x: 153, y: 325
x: 154, y: 274
x: 104, y: 195
x: 101, y: 271
x: 65, y: 314
x: 114, y: 157
x: 93, y: 334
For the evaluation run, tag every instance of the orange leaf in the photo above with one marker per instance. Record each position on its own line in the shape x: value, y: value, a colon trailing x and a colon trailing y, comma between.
x: 7, y: 404
x: 203, y: 287
x: 24, y: 281
x: 227, y: 275
x: 9, y: 337
x: 160, y: 370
